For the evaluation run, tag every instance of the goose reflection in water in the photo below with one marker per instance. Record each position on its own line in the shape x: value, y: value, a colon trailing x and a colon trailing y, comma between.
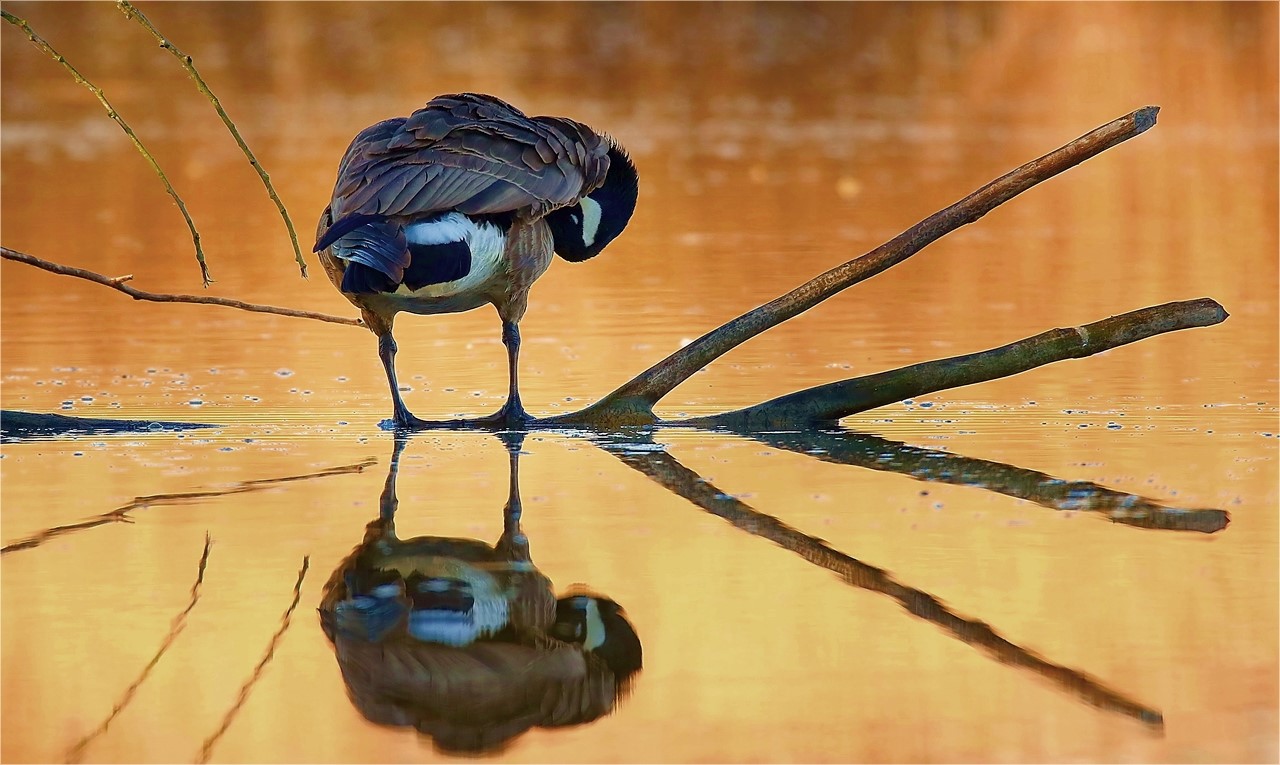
x: 466, y: 642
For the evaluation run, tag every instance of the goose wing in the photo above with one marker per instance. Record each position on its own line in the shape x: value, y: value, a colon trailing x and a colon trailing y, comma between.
x: 471, y: 153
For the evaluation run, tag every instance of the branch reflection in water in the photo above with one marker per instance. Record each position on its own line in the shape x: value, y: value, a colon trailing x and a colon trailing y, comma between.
x: 121, y: 514
x: 466, y: 642
x: 647, y: 456
x: 865, y: 450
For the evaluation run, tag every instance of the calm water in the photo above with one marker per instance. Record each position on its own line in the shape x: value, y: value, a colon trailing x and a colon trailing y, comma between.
x: 773, y: 142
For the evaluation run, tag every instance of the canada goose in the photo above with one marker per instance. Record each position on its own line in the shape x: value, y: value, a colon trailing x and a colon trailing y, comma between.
x: 463, y: 203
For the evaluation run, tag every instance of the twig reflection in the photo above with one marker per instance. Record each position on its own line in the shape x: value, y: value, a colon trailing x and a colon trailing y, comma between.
x: 864, y: 450
x: 121, y: 514
x: 76, y: 752
x: 644, y: 455
x: 286, y: 619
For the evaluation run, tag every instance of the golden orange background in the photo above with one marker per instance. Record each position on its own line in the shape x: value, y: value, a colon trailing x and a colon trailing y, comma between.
x: 773, y: 141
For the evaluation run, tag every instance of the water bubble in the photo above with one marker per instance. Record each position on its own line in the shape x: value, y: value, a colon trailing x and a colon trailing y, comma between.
x: 284, y: 372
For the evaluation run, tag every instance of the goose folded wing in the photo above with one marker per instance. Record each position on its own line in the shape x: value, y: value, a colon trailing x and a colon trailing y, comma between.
x: 435, y: 161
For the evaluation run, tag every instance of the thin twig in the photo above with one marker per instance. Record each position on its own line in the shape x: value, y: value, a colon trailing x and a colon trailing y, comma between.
x: 668, y: 472
x: 633, y: 402
x: 132, y: 12
x: 121, y: 514
x: 206, y: 751
x: 76, y: 752
x: 111, y: 112
x: 824, y: 404
x: 117, y: 283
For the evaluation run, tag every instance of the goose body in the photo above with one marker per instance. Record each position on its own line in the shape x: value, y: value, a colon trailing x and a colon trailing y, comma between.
x: 463, y: 204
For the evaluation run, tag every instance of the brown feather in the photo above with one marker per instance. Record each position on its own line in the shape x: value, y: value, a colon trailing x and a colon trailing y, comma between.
x: 472, y: 153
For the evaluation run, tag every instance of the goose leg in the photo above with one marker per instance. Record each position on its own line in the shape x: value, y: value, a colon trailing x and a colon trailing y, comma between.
x: 512, y: 412
x: 387, y: 352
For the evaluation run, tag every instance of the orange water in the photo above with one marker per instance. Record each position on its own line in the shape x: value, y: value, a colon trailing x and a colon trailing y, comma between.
x: 773, y: 142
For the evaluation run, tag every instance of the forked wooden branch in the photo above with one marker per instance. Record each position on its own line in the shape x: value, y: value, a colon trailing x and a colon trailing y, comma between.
x: 632, y: 404
x: 118, y: 283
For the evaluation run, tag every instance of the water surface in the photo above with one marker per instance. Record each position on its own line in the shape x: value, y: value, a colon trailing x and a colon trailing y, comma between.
x: 773, y: 142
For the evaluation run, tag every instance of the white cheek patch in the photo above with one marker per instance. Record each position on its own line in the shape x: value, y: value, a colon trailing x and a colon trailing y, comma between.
x: 590, y: 220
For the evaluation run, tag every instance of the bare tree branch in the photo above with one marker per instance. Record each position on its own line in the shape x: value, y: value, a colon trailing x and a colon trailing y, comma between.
x: 111, y: 112
x: 118, y: 283
x: 131, y: 12
x: 632, y: 404
x: 826, y: 404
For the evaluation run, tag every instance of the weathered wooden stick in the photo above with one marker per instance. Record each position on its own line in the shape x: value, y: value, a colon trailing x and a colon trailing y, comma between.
x: 632, y: 404
x: 131, y: 12
x: 118, y: 283
x: 868, y: 451
x: 40, y: 43
x: 826, y: 404
x: 668, y: 472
